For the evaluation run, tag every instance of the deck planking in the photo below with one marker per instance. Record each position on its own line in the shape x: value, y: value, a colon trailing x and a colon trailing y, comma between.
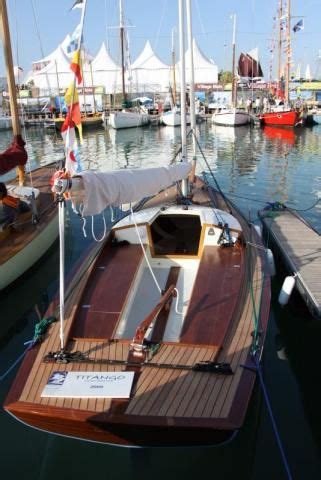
x: 159, y: 392
x: 300, y: 247
x: 161, y: 396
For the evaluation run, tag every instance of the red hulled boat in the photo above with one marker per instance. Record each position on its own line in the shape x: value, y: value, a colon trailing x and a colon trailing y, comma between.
x: 287, y: 118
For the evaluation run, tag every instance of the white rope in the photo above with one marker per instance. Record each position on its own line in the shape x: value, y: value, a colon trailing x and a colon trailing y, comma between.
x: 112, y: 216
x: 84, y: 221
x: 144, y: 252
x: 92, y: 229
x: 176, y: 303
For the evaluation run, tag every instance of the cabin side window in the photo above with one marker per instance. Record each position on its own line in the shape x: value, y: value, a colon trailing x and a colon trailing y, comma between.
x: 176, y: 234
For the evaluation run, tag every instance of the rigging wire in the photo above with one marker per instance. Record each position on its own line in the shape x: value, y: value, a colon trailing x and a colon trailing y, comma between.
x: 39, y: 38
x: 160, y: 25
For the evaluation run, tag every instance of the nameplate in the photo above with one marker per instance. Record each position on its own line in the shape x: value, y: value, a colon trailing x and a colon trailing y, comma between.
x: 89, y: 385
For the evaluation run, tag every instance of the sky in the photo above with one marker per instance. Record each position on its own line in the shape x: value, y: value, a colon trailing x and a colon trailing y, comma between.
x: 38, y: 26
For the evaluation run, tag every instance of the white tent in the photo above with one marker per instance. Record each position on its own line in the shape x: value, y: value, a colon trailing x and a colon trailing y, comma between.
x: 105, y: 70
x: 205, y: 70
x: 40, y: 64
x: 55, y: 74
x: 149, y: 73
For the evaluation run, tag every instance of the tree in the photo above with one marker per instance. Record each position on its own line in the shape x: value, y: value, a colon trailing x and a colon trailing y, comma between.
x: 225, y: 77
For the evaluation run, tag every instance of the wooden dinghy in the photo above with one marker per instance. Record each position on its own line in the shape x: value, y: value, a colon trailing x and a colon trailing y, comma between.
x: 183, y: 348
x: 25, y: 240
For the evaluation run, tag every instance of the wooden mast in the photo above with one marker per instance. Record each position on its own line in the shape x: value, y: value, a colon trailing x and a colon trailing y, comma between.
x: 122, y: 33
x: 5, y: 34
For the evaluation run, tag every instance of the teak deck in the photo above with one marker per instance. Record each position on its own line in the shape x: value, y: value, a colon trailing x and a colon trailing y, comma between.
x: 300, y: 247
x: 184, y: 406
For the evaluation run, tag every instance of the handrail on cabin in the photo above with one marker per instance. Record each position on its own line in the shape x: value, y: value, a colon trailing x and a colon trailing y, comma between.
x: 136, y: 345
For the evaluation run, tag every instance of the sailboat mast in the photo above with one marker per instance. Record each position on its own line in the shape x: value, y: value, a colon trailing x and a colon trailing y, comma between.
x: 92, y: 86
x: 174, y: 67
x: 182, y: 76
x: 183, y: 88
x: 280, y: 45
x: 191, y: 69
x: 288, y: 52
x: 122, y: 48
x: 5, y: 34
x: 234, y: 84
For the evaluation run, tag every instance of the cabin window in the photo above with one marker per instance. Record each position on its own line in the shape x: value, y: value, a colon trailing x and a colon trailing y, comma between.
x: 176, y: 234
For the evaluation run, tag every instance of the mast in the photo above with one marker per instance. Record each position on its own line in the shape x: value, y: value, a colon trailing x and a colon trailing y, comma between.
x: 173, y: 66
x: 122, y: 39
x: 58, y: 87
x: 280, y: 45
x: 191, y: 88
x: 183, y: 88
x: 83, y: 83
x: 5, y: 34
x: 92, y: 86
x: 234, y: 84
x: 288, y: 52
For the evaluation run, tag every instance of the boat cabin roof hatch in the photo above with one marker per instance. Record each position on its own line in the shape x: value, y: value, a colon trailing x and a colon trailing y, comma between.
x: 176, y: 234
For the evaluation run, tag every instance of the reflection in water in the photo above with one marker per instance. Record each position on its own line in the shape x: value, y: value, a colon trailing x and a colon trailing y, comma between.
x: 281, y: 135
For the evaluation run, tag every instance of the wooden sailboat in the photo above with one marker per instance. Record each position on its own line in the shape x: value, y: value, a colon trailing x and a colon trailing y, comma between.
x: 283, y: 115
x: 160, y: 322
x: 126, y: 118
x: 24, y: 241
x: 234, y: 116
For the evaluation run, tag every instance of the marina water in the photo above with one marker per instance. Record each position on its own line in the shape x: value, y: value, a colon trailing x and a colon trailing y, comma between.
x: 253, y: 166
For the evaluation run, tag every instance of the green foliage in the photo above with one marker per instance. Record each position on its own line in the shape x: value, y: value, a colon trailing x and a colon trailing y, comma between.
x: 225, y: 77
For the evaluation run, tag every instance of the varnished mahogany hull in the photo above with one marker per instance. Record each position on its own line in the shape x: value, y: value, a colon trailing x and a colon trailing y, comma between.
x: 121, y: 422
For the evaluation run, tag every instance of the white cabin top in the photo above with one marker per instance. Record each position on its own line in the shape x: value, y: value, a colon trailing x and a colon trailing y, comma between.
x: 208, y: 216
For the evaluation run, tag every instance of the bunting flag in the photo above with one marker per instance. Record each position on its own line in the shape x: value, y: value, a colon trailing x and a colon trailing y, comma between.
x: 75, y: 40
x: 298, y: 26
x: 73, y: 116
x: 75, y: 66
x: 72, y: 165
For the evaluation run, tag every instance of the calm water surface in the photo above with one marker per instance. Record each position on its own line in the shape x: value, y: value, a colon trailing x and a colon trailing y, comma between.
x: 253, y: 166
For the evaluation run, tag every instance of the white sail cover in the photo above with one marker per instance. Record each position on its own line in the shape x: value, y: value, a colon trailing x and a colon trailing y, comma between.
x: 125, y: 186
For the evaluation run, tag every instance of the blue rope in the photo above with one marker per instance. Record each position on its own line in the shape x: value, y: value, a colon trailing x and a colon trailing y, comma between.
x: 258, y: 370
x: 29, y: 347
